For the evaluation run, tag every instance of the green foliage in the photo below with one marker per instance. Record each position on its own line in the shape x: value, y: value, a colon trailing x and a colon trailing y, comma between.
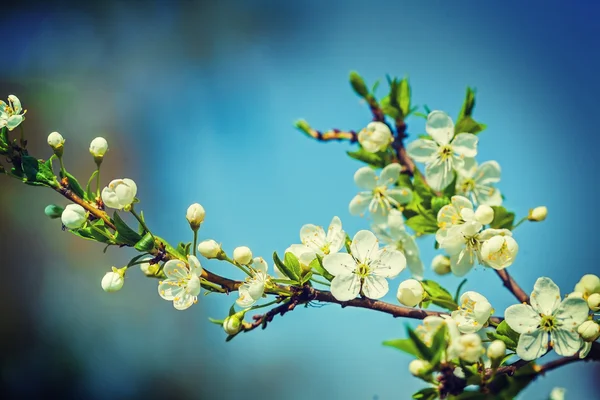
x: 35, y: 172
x: 426, y: 394
x: 424, y: 223
x: 405, y: 345
x: 438, y: 295
x: 465, y: 121
x: 74, y: 185
x: 146, y: 243
x: 505, y: 387
x: 503, y: 219
x: 438, y: 202
x: 505, y: 333
x: 416, y: 347
x: 377, y: 160
x: 358, y: 84
x: 88, y: 188
x: 317, y: 265
x: 291, y: 271
x: 184, y: 248
x: 125, y: 235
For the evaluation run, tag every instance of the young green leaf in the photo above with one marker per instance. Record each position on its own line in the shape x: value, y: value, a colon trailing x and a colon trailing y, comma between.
x: 426, y: 394
x: 374, y: 159
x: 503, y: 219
x: 421, y: 224
x: 405, y: 345
x: 125, y: 235
x: 423, y: 351
x: 146, y: 243
x: 287, y: 271
x: 291, y: 261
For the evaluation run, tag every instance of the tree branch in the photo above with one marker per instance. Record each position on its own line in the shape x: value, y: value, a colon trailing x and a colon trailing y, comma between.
x: 398, y: 145
x: 512, y: 286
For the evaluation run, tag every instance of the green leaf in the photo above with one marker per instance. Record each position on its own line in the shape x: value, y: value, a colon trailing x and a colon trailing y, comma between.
x: 88, y: 188
x: 469, y: 125
x: 404, y: 181
x: 217, y: 321
x: 347, y: 244
x: 506, y: 334
x: 306, y: 277
x: 75, y: 186
x: 503, y: 219
x: 438, y: 202
x: 184, y: 248
x: 423, y: 351
x: 422, y: 224
x: 291, y: 261
x: 458, y: 289
x: 99, y: 236
x: 358, y: 84
x: 426, y: 394
x: 438, y: 295
x: 439, y: 345
x: 125, y: 235
x: 146, y: 243
x: 422, y: 188
x: 405, y: 345
x: 317, y: 266
x: 37, y: 172
x: 289, y: 272
x: 468, y: 104
x: 506, y: 388
x: 404, y: 97
x: 135, y: 259
x: 374, y: 159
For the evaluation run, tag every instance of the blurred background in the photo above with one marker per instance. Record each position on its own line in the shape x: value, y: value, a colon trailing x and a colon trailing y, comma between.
x: 197, y: 100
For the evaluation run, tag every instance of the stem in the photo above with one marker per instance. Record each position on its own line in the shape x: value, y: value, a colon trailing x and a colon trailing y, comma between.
x: 195, y: 240
x: 519, y: 223
x: 111, y: 238
x: 140, y: 220
x: 98, y: 181
x: 320, y: 282
x: 211, y: 285
x: 243, y: 268
x: 63, y: 171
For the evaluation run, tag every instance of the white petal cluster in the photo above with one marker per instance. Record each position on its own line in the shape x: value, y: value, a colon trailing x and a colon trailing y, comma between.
x: 496, y: 350
x: 410, y: 292
x: 366, y: 270
x: 55, y: 140
x: 242, y: 255
x: 73, y: 216
x: 379, y: 193
x: 315, y: 241
x: 445, y: 153
x: 209, y: 248
x: 588, y: 285
x: 538, y: 214
x: 477, y: 182
x: 98, y: 148
x: 441, y: 264
x: 119, y: 193
x: 427, y: 330
x: 375, y: 137
x: 113, y: 281
x: 473, y: 312
x: 461, y: 235
x: 253, y: 288
x: 195, y: 216
x: 394, y: 235
x: 11, y: 113
x: 182, y: 285
x: 468, y: 347
x: 547, y: 319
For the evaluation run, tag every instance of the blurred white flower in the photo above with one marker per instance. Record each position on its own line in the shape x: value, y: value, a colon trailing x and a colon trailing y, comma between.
x: 119, y: 193
x: 476, y: 182
x: 375, y: 137
x: 182, y: 285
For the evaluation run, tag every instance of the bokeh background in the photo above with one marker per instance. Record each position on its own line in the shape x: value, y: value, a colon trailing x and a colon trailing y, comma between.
x: 197, y: 101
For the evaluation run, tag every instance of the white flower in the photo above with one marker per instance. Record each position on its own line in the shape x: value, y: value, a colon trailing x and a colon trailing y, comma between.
x: 242, y: 255
x: 304, y: 254
x: 484, y: 214
x: 365, y: 270
x: 496, y: 350
x: 445, y: 152
x: 233, y: 323
x: 538, y: 214
x: 499, y: 251
x: 113, y: 281
x: 452, y: 216
x: 473, y: 312
x: 395, y: 236
x: 195, y: 215
x: 147, y: 268
x: 589, y: 331
x: 55, y: 140
x: 11, y: 114
x: 557, y: 393
x: 441, y: 264
x: 253, y: 288
x: 98, y: 147
x: 315, y: 238
x: 418, y: 367
x: 469, y: 347
x: 547, y: 317
x: 588, y: 285
x: 594, y: 302
x: 182, y: 285
x: 380, y: 193
x: 119, y: 193
x: 375, y: 137
x: 476, y: 182
x: 209, y: 248
x: 430, y: 326
x: 74, y: 216
x: 410, y: 292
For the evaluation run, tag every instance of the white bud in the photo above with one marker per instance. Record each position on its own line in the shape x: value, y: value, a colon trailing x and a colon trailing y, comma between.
x: 594, y: 302
x: 590, y: 283
x: 98, y: 147
x: 209, y: 248
x: 56, y: 141
x: 375, y: 137
x: 589, y: 331
x: 74, y: 216
x: 147, y: 268
x: 484, y: 214
x: 195, y: 216
x: 114, y: 280
x: 418, y: 367
x: 441, y: 264
x: 242, y: 255
x: 499, y: 251
x: 119, y: 193
x: 538, y: 214
x: 469, y: 347
x: 557, y: 393
x: 496, y: 350
x: 233, y: 324
x: 410, y: 292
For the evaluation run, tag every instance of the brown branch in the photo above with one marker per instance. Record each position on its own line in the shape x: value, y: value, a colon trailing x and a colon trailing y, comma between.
x: 333, y: 134
x: 512, y: 286
x: 398, y: 145
x: 377, y: 112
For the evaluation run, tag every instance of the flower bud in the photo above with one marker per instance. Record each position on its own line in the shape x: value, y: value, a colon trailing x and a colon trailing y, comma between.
x: 590, y: 283
x: 375, y: 137
x: 195, y: 216
x: 496, y: 350
x: 114, y: 280
x: 119, y: 193
x: 558, y: 393
x: 441, y: 264
x: 594, y: 302
x: 358, y: 84
x: 589, y: 331
x: 418, y: 367
x: 470, y: 347
x: 538, y: 214
x: 74, y: 216
x: 98, y: 147
x: 484, y: 214
x: 233, y: 323
x: 147, y: 268
x: 499, y: 251
x: 242, y: 255
x: 53, y: 211
x: 56, y: 141
x: 410, y: 292
x: 209, y: 248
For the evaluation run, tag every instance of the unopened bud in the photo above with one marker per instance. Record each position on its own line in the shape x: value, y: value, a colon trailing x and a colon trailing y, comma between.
x: 358, y: 84
x: 233, y: 323
x: 210, y: 248
x: 484, y: 214
x: 410, y: 292
x: 496, y: 350
x: 538, y: 214
x: 56, y: 141
x: 53, y: 211
x: 590, y: 283
x: 375, y: 137
x: 594, y: 302
x: 98, y: 147
x: 441, y: 265
x: 418, y: 367
x: 195, y: 216
x: 147, y: 268
x: 74, y: 216
x: 113, y: 281
x: 589, y: 331
x: 242, y: 255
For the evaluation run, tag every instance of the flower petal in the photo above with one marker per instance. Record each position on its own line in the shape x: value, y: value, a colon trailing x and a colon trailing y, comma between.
x: 339, y: 264
x: 465, y: 144
x: 363, y: 245
x: 260, y: 265
x: 312, y: 236
x: 402, y: 195
x: 440, y: 127
x: 522, y: 318
x: 345, y: 287
x: 176, y: 269
x: 168, y: 290
x: 439, y: 174
x: 422, y: 150
x: 184, y: 302
x: 194, y: 265
x: 365, y: 178
x: 461, y: 263
x: 14, y: 121
x: 387, y: 263
x: 488, y: 172
x: 359, y: 203
x: 545, y: 297
x: 532, y: 345
x: 375, y: 287
x: 566, y: 342
x: 335, y: 235
x: 572, y: 312
x: 390, y: 174
x: 487, y: 195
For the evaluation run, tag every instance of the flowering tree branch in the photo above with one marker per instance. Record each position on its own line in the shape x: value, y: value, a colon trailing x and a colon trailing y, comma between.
x: 512, y: 286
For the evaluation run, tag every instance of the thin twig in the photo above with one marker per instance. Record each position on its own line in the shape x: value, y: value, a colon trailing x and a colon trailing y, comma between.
x: 512, y: 286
